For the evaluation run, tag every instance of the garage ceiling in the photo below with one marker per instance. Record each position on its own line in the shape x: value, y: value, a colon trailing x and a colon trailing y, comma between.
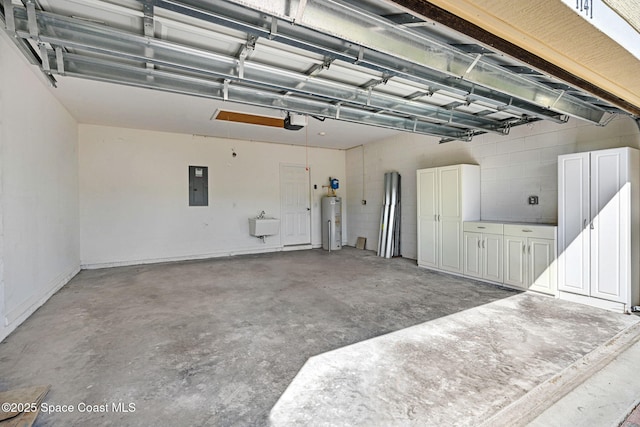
x: 362, y: 62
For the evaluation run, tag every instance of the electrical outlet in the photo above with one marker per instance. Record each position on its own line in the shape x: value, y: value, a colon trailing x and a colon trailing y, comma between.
x: 364, y: 202
x: 533, y: 200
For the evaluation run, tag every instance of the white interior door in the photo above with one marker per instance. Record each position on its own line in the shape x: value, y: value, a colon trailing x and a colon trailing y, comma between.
x: 295, y: 200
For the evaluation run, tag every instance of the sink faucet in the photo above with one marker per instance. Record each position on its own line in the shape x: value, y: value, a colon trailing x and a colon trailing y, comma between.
x: 261, y: 216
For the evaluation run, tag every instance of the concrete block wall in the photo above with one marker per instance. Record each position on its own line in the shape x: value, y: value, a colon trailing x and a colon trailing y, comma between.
x: 134, y: 194
x: 513, y: 167
x: 39, y: 220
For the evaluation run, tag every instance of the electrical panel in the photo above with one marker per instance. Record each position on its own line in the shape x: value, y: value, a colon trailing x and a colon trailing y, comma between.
x: 198, y: 186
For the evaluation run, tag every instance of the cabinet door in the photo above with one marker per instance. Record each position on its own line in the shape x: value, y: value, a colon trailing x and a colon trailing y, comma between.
x: 515, y: 261
x: 450, y: 246
x: 573, y: 223
x: 610, y: 232
x: 492, y: 257
x: 472, y: 254
x: 541, y: 266
x: 450, y: 219
x: 449, y: 181
x: 427, y: 186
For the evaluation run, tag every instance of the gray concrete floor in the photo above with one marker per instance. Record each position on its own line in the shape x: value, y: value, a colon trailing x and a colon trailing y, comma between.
x: 606, y: 398
x: 217, y: 342
x: 466, y: 369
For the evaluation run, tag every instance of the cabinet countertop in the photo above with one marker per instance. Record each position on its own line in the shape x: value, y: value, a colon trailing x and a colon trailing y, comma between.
x: 524, y: 224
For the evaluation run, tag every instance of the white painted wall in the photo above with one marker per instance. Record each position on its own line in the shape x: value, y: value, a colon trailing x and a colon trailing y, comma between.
x: 39, y: 233
x: 512, y: 168
x: 134, y: 205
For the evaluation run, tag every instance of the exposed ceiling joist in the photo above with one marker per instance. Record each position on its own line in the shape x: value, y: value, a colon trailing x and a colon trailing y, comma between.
x: 340, y: 62
x: 62, y: 31
x: 372, y: 32
x: 435, y: 11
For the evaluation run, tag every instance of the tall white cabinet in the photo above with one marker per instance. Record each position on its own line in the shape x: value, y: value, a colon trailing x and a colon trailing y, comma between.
x: 447, y: 196
x: 599, y: 228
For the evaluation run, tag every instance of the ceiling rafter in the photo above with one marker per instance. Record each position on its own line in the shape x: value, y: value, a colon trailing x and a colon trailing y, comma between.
x: 337, y: 49
x: 373, y: 32
x: 435, y: 13
x: 97, y: 38
x: 407, y: 81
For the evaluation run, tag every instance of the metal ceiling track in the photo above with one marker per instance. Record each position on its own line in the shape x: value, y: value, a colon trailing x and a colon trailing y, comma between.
x: 370, y: 37
x: 76, y: 47
x: 62, y: 31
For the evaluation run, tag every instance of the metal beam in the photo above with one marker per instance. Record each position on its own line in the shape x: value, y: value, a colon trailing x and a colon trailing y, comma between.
x: 8, y: 22
x: 256, y: 22
x: 101, y: 70
x: 103, y: 52
x: 148, y: 20
x: 7, y: 17
x: 437, y: 14
x: 355, y: 25
x: 81, y: 35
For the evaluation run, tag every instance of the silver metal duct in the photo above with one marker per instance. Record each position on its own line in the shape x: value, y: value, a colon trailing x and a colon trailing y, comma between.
x: 389, y: 236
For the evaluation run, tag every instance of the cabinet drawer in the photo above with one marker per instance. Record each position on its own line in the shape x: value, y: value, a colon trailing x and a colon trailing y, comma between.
x: 528, y: 230
x: 483, y: 227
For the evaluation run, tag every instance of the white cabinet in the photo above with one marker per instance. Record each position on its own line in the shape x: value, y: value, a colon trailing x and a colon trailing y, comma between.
x: 529, y: 257
x: 483, y: 250
x: 518, y: 255
x: 446, y: 197
x: 515, y: 252
x: 599, y: 228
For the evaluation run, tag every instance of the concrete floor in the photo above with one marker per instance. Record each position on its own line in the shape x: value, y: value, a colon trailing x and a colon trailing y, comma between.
x: 217, y: 342
x: 466, y: 369
x: 607, y: 397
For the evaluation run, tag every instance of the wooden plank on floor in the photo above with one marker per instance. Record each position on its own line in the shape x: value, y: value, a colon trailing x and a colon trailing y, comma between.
x: 29, y: 398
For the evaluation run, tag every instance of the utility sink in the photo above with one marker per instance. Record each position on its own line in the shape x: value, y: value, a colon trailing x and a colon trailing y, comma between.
x: 264, y: 226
